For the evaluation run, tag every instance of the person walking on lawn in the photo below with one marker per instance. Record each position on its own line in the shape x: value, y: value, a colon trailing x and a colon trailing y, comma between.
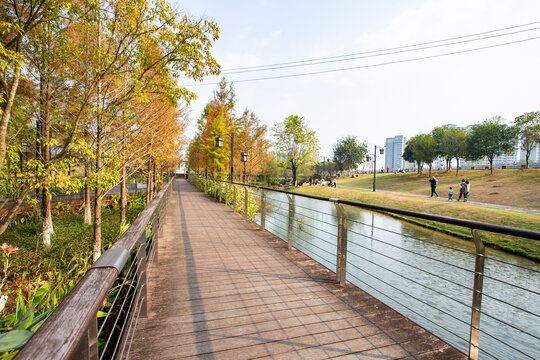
x: 433, y: 181
x: 462, y: 189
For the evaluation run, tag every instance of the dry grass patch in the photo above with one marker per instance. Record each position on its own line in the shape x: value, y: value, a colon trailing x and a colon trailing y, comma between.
x: 510, y: 187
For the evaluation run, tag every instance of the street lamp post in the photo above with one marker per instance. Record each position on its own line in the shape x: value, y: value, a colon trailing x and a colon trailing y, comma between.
x: 219, y: 143
x: 381, y: 150
x: 244, y: 157
x: 24, y: 152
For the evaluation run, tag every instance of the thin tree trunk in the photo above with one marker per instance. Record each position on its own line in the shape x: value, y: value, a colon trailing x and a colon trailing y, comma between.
x: 293, y: 175
x: 96, y: 251
x: 149, y: 183
x: 97, y: 200
x: 87, y: 198
x: 457, y: 166
x: 154, y: 190
x: 6, y: 220
x: 6, y: 113
x: 46, y: 224
x: 123, y: 195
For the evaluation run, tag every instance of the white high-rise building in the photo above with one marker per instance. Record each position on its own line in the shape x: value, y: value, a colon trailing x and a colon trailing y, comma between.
x: 393, y: 159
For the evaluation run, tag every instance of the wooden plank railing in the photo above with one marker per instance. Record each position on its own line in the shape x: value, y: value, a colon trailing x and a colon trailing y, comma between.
x: 71, y: 330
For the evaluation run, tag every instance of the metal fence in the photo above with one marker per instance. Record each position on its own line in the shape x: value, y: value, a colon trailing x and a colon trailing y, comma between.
x: 434, y: 282
x: 98, y: 318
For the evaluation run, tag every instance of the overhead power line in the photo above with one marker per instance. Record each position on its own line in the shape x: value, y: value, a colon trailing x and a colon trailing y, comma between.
x: 374, y: 55
x: 372, y: 65
x: 384, y: 50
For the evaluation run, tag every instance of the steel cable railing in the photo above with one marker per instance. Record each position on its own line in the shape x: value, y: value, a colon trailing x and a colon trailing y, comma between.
x: 308, y: 226
x: 413, y: 252
x: 413, y: 238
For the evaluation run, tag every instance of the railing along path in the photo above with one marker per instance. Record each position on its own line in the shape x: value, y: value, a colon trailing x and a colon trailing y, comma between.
x: 221, y: 189
x: 71, y: 332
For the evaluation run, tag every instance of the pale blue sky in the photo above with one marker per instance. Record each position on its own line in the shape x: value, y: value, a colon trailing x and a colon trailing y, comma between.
x: 377, y: 102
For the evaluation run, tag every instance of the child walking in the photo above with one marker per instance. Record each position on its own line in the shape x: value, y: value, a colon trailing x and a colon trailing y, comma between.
x: 450, y: 193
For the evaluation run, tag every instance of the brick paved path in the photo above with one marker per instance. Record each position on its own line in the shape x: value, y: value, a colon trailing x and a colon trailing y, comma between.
x: 223, y: 289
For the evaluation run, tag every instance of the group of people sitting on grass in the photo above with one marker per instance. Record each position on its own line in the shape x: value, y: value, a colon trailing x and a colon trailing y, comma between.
x: 464, y: 188
x: 321, y: 182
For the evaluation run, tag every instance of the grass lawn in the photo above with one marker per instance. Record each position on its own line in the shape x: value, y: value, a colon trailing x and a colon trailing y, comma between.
x: 524, y: 247
x: 511, y: 187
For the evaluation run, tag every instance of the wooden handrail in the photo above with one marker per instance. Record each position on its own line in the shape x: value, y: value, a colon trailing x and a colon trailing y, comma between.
x: 67, y: 327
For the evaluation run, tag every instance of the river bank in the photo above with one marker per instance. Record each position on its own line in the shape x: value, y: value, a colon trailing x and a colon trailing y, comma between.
x: 523, y: 247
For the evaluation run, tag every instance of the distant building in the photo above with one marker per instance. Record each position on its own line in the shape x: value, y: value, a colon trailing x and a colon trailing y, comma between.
x: 393, y: 159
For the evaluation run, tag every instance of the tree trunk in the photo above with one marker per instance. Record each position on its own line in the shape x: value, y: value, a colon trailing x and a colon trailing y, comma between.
x: 97, y: 200
x: 123, y: 195
x: 7, y: 105
x: 96, y: 251
x: 149, y: 183
x: 429, y: 169
x: 44, y: 113
x: 6, y: 220
x: 457, y: 166
x: 87, y: 198
x: 154, y: 190
x: 491, y: 165
x: 293, y: 168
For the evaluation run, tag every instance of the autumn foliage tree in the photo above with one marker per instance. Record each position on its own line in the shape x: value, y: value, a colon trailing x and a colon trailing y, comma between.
x: 99, y: 80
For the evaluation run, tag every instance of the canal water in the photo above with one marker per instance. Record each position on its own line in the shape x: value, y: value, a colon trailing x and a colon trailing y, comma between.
x: 425, y: 275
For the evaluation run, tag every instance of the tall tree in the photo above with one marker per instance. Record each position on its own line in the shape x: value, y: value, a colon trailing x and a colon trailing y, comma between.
x: 19, y: 18
x: 528, y: 127
x: 421, y: 149
x: 251, y: 138
x: 217, y: 119
x: 490, y: 139
x: 296, y: 145
x: 348, y: 152
x: 440, y: 134
x: 450, y: 143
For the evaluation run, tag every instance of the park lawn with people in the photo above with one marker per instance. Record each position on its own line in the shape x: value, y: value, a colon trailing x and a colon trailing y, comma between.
x: 509, y: 187
x: 524, y: 247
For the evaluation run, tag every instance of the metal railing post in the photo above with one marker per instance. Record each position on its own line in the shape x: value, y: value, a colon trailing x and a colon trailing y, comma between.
x: 477, y: 296
x: 234, y: 198
x: 155, y: 232
x: 263, y: 209
x: 88, y: 349
x: 246, y: 197
x: 291, y: 219
x: 341, y: 256
x: 227, y: 194
x: 141, y: 273
x: 220, y: 191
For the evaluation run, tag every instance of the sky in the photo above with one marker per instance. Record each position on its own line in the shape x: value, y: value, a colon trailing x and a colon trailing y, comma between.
x: 374, y: 101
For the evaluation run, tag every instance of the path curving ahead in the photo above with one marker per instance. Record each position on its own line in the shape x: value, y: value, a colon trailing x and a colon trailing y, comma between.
x: 223, y: 289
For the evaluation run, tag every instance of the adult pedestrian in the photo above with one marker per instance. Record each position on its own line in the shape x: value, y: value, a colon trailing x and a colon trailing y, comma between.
x: 462, y: 189
x: 467, y: 188
x: 433, y: 181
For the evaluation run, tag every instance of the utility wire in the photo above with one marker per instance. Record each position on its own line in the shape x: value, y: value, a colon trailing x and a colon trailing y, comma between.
x: 383, y: 50
x: 371, y: 65
x: 374, y: 55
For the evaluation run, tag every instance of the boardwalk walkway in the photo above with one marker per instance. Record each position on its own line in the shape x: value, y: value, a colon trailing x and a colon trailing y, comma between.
x: 223, y: 289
